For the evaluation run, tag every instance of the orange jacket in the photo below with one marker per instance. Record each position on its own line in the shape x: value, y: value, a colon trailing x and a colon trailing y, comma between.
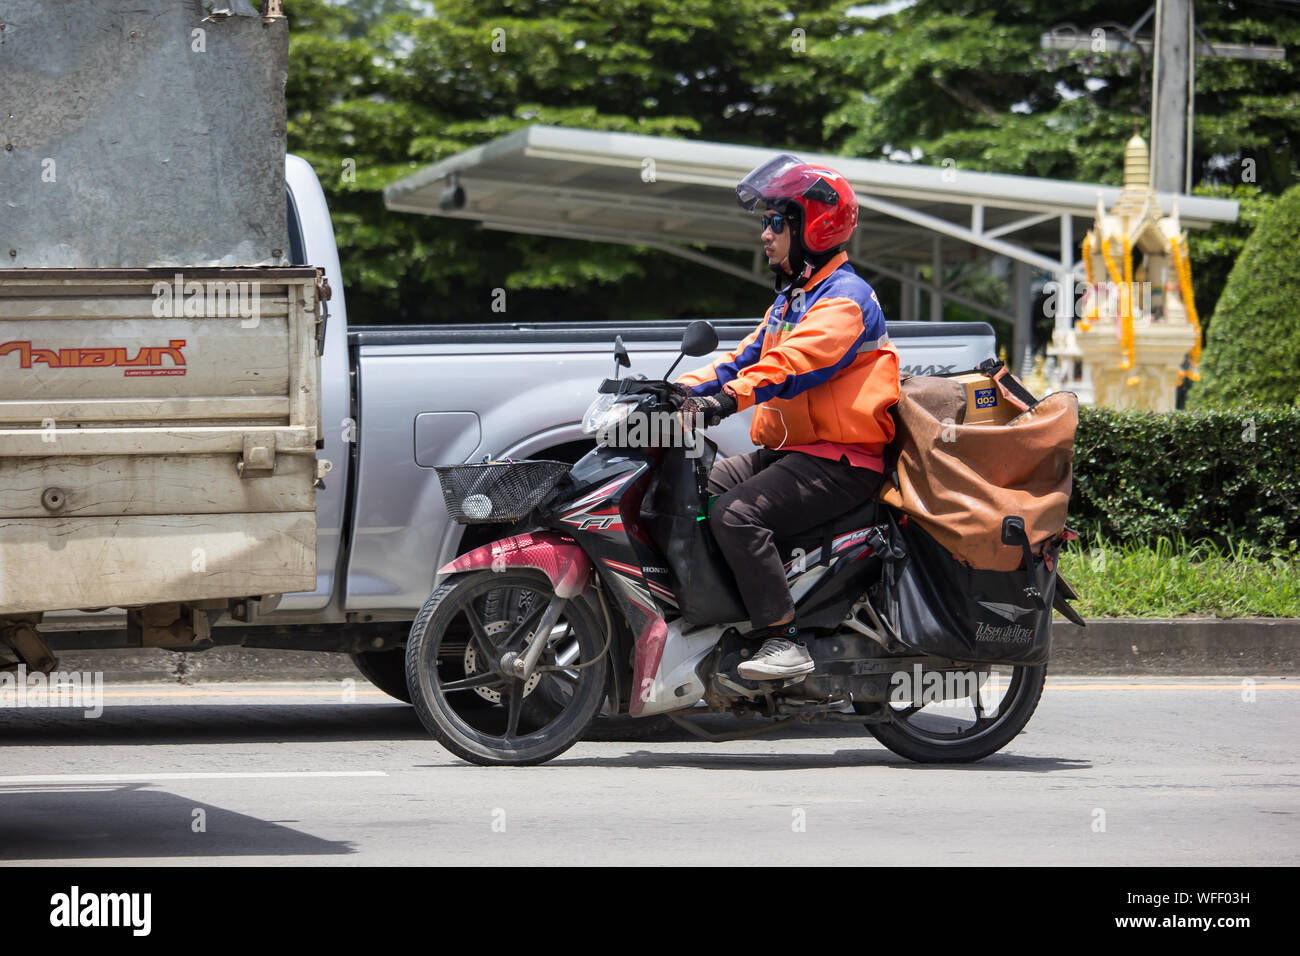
x: 820, y: 364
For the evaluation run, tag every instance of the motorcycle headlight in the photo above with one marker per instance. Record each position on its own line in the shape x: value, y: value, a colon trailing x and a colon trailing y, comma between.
x: 604, y: 413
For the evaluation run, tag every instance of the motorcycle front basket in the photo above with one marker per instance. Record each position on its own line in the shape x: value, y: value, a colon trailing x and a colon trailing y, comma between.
x: 499, y: 491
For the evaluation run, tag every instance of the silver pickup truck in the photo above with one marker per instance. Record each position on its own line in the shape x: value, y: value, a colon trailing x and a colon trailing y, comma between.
x: 397, y: 400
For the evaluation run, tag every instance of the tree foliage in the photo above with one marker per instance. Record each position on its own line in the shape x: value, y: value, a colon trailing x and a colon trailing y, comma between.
x: 1254, y: 345
x: 968, y: 80
x: 1214, y: 251
x: 380, y: 88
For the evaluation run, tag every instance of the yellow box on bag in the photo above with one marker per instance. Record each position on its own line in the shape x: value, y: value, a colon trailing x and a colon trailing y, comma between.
x: 985, y: 404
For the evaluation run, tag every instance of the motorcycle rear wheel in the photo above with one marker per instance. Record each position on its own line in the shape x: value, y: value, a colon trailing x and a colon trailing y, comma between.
x: 452, y: 711
x: 940, y: 733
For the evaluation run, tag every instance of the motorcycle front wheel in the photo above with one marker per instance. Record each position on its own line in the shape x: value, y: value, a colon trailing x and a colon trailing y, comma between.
x: 451, y: 701
x: 961, y: 729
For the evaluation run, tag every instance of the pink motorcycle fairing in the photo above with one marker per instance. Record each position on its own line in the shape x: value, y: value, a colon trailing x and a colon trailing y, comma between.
x: 556, y: 556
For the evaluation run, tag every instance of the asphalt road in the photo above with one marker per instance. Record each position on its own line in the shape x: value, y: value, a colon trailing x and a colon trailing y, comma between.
x: 1110, y: 771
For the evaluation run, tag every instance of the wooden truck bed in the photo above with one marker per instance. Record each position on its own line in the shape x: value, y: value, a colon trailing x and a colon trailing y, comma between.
x: 158, y: 431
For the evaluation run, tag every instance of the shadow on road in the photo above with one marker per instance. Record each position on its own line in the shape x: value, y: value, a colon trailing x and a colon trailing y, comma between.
x: 215, y: 725
x: 252, y: 723
x: 209, y: 724
x: 123, y: 821
x: 872, y: 755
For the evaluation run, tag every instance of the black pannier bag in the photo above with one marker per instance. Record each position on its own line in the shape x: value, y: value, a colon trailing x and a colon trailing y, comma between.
x: 674, y: 512
x: 941, y: 606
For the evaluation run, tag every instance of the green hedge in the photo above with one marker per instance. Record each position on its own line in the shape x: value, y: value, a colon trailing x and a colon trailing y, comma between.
x: 1225, y: 476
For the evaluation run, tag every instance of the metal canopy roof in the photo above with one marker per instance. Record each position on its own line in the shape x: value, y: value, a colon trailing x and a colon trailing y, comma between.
x: 648, y: 189
x: 670, y: 194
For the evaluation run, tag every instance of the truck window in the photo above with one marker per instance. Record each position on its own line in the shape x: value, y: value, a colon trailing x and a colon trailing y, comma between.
x: 297, y: 255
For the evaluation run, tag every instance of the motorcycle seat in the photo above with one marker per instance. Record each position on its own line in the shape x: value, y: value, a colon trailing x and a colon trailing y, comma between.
x: 862, y: 516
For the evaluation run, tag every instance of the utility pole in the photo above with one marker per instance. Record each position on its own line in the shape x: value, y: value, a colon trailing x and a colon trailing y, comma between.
x: 1173, y: 79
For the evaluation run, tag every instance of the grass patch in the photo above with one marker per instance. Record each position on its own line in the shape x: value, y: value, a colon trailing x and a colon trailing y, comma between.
x: 1175, y: 578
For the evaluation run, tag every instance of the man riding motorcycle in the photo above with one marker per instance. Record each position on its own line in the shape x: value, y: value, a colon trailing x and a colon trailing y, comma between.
x: 823, y: 374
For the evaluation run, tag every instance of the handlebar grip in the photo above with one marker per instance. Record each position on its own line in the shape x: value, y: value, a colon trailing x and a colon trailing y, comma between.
x: 630, y: 386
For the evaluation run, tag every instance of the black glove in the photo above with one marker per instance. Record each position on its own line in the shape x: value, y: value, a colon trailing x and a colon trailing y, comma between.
x: 712, y: 408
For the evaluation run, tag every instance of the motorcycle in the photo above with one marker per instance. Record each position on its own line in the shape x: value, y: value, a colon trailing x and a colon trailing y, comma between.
x: 614, y: 600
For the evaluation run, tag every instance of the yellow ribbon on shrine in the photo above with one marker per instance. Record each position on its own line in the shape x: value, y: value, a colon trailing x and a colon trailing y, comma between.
x: 1086, y: 320
x: 1127, y: 339
x: 1123, y: 284
x: 1183, y: 265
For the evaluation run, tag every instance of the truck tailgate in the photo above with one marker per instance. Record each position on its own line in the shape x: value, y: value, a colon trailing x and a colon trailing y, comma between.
x: 158, y: 432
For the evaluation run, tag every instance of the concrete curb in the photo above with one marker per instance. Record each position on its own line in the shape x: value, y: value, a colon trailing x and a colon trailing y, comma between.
x: 1106, y: 646
x: 1209, y: 645
x: 152, y: 664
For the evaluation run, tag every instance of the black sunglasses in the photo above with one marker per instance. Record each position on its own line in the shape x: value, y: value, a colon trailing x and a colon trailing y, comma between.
x: 775, y: 222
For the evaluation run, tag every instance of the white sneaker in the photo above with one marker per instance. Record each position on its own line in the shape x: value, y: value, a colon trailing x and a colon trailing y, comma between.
x: 777, y: 658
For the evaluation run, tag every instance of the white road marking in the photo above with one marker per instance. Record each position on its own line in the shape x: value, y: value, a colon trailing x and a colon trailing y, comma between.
x: 213, y: 775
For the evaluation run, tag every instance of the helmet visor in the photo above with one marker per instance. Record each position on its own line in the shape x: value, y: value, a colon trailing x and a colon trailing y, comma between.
x: 759, y: 184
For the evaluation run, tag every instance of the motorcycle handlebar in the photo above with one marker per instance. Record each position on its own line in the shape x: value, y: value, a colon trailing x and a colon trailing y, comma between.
x: 665, y: 391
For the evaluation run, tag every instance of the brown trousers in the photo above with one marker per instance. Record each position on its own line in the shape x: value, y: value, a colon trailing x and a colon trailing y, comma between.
x: 765, y: 495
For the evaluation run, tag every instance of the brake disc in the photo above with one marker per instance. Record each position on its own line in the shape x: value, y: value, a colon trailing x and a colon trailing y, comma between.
x: 471, y: 665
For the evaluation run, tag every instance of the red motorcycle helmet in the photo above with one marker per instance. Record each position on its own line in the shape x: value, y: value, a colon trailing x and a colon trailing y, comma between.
x: 829, y: 207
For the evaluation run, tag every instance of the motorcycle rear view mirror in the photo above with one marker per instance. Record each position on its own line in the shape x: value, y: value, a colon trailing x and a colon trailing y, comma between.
x: 699, y: 339
x: 620, y: 355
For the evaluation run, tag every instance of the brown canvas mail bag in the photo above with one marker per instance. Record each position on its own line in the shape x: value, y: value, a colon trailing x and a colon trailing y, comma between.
x: 959, y: 482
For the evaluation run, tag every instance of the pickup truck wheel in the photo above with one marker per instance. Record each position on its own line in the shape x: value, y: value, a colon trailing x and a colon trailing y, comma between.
x: 386, y: 670
x: 609, y: 728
